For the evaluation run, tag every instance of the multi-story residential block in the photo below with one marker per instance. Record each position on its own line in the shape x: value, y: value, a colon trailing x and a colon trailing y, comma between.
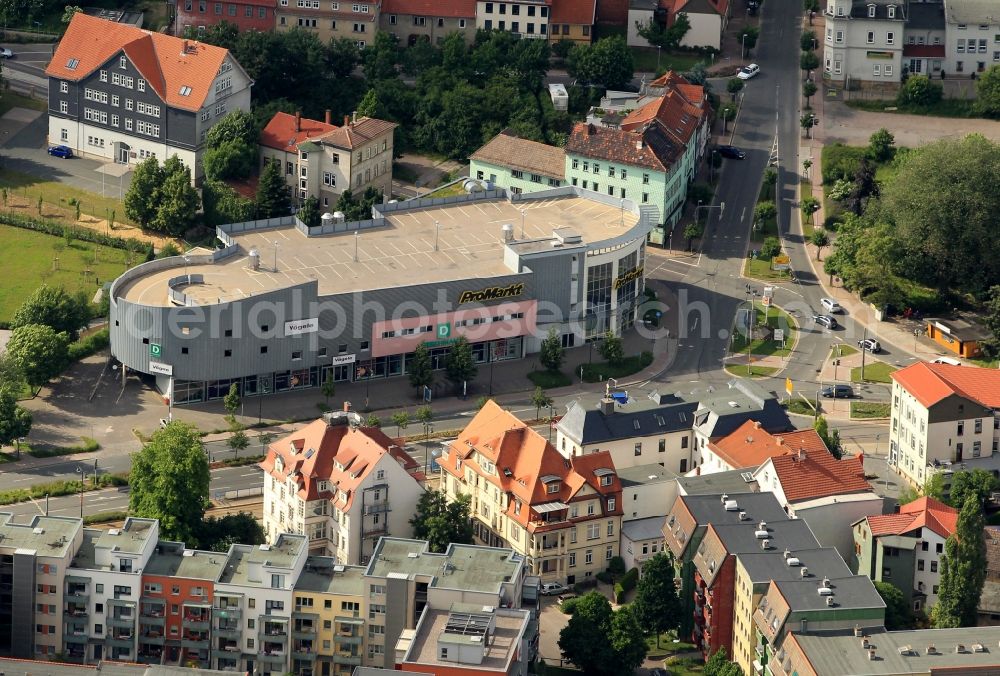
x: 828, y: 494
x: 751, y: 445
x: 647, y: 491
x: 905, y: 549
x: 468, y: 640
x: 754, y: 574
x: 526, y: 18
x: 924, y: 51
x: 971, y: 29
x: 106, y: 576
x: 642, y: 539
x: 404, y: 578
x: 321, y: 160
x: 357, y: 21
x: 123, y: 94
x: 814, y: 606
x: 510, y: 162
x: 943, y: 415
x: 864, y: 41
x: 563, y: 515
x: 38, y: 609
x: 715, y: 572
x: 247, y: 15
x: 180, y: 620
x: 412, y: 20
x: 688, y: 522
x: 572, y: 20
x: 328, y: 623
x: 341, y: 484
x: 721, y: 411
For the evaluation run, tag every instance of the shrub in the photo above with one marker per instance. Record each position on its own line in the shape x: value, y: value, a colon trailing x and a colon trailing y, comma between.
x: 569, y: 605
x: 605, y: 577
x: 583, y: 586
x: 616, y: 566
x: 699, y: 192
x: 89, y: 345
x: 82, y: 234
x: 841, y: 162
x: 770, y: 248
x: 104, y: 517
x: 919, y: 90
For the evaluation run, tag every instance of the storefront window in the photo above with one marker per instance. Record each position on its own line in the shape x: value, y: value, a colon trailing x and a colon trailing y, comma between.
x: 598, y: 299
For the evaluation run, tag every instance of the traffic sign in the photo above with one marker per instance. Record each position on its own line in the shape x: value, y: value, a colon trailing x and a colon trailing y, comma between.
x: 788, y: 385
x: 155, y: 350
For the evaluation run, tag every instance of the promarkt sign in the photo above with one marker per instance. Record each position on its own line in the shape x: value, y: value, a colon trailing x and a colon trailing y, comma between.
x: 629, y: 276
x: 492, y: 293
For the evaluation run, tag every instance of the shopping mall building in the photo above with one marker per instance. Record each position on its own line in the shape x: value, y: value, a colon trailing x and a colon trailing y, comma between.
x: 279, y: 306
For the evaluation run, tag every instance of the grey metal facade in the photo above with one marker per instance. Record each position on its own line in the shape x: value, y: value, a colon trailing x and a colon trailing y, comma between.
x: 23, y: 605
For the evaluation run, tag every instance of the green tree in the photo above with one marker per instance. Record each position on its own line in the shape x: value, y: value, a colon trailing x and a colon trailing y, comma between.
x: 178, y: 204
x: 727, y: 113
x: 719, y: 665
x: 659, y: 35
x: 881, y: 146
x: 584, y: 639
x: 988, y: 92
x: 627, y: 641
x: 231, y: 402
x: 830, y: 437
x: 963, y: 570
x: 401, y: 420
x: 142, y: 197
x: 808, y: 41
x: 219, y: 534
x: 819, y: 239
x: 552, y: 353
x: 897, y: 611
x: 53, y: 306
x: 540, y: 400
x: 273, y: 198
x: 169, y: 481
x: 328, y: 389
x: 607, y: 62
x: 770, y: 248
x: 424, y: 414
x: 748, y: 37
x: 68, y: 12
x: 808, y: 61
x: 459, y: 365
x: 933, y: 488
x: 807, y: 122
x: 15, y: 421
x: 309, y: 212
x: 734, y: 86
x: 265, y: 439
x: 612, y: 349
x: 657, y: 605
x: 381, y: 56
x: 919, y: 91
x: 764, y: 211
x: 231, y: 159
x: 808, y: 91
x: 977, y: 484
x: 222, y: 204
x: 421, y: 369
x: 238, y: 441
x: 440, y: 522
x: 373, y: 420
x: 235, y: 126
x: 368, y: 106
x: 693, y: 231
x: 38, y: 352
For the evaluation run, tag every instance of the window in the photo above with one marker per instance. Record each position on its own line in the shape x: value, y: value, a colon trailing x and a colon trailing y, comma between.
x: 611, y: 504
x: 609, y: 553
x: 645, y: 180
x: 122, y: 62
x: 64, y: 86
x: 920, y: 564
x: 572, y: 559
x: 63, y: 108
x: 871, y: 37
x: 934, y: 566
x: 890, y: 38
x: 891, y: 12
x: 141, y: 85
x: 638, y: 448
x: 611, y: 527
x: 871, y: 11
x: 589, y: 557
x: 593, y: 531
x: 876, y: 70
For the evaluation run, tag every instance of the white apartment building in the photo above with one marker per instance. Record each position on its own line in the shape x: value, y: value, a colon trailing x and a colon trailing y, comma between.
x: 342, y: 485
x: 526, y: 19
x: 943, y: 417
x: 863, y: 41
x: 972, y: 36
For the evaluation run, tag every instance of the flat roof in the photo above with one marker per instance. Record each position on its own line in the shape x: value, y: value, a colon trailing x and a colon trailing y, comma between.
x: 773, y: 565
x: 498, y: 652
x: 653, y: 473
x: 467, y: 567
x: 281, y: 554
x: 130, y: 538
x: 106, y: 668
x: 54, y: 540
x: 402, y: 253
x: 650, y: 528
x: 708, y: 509
x: 322, y: 574
x: 851, y: 591
x: 169, y: 560
x: 717, y: 483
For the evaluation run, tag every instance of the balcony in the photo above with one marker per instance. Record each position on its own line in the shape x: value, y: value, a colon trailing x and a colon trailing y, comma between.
x: 347, y: 639
x: 377, y: 507
x: 76, y: 593
x: 121, y: 621
x: 229, y: 663
x: 150, y: 655
x: 231, y: 612
x: 272, y: 657
x: 195, y: 643
x: 352, y: 659
x: 152, y: 638
x: 78, y: 636
x: 274, y: 627
x: 227, y: 630
x: 151, y: 621
x: 304, y: 652
x: 123, y: 640
x: 75, y: 610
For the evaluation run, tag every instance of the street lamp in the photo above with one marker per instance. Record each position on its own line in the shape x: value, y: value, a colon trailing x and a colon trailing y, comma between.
x: 428, y: 428
x: 751, y: 296
x: 658, y: 58
x: 552, y: 419
x: 80, y: 471
x: 743, y: 47
x: 275, y: 255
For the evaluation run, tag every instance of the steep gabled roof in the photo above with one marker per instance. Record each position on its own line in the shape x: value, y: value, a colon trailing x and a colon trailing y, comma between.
x: 357, y: 133
x: 921, y: 513
x: 930, y: 383
x: 169, y: 64
x: 457, y: 9
x: 651, y: 147
x: 507, y: 149
x: 281, y: 134
x: 750, y: 445
x: 815, y: 473
x: 581, y: 12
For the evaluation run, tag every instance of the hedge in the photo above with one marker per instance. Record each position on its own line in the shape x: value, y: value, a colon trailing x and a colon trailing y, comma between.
x: 89, y: 345
x: 82, y: 234
x: 104, y: 517
x: 58, y: 488
x: 626, y: 584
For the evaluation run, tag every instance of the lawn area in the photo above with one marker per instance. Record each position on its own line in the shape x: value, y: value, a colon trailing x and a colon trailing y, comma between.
x: 776, y: 319
x: 877, y: 372
x: 684, y: 666
x: 447, y: 191
x: 549, y: 379
x: 600, y: 371
x: 869, y: 409
x: 842, y: 351
x: 668, y: 646
x: 645, y: 60
x: 760, y: 268
x: 28, y: 260
x: 58, y: 194
x: 11, y: 100
x: 800, y: 406
x: 944, y: 108
x: 755, y: 371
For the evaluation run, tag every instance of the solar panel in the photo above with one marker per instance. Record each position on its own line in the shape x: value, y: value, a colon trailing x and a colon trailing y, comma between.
x: 310, y: 453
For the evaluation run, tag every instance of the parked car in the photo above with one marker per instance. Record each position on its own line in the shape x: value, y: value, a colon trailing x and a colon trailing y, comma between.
x: 747, y: 72
x: 553, y: 588
x: 830, y: 304
x: 732, y: 152
x: 64, y: 152
x: 838, y: 392
x: 826, y: 320
x: 870, y: 345
x: 6, y: 53
x: 946, y: 360
x: 566, y: 597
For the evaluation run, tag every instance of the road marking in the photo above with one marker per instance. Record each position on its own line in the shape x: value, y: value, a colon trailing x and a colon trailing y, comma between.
x: 743, y: 214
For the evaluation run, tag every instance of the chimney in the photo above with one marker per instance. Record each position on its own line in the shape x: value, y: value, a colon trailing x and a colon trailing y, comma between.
x: 326, y: 116
x: 354, y: 117
x: 756, y: 424
x: 802, y: 453
x: 347, y: 120
x: 780, y: 441
x: 347, y: 407
x: 591, y: 130
x: 607, y: 406
x: 298, y: 121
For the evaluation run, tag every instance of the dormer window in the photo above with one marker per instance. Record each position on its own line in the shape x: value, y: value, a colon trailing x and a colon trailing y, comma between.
x: 324, y: 486
x: 871, y: 11
x: 891, y: 11
x: 185, y: 90
x: 552, y: 487
x: 123, y: 63
x: 606, y: 480
x: 279, y: 464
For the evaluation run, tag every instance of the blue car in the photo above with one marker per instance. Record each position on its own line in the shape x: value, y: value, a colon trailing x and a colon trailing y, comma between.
x: 64, y: 152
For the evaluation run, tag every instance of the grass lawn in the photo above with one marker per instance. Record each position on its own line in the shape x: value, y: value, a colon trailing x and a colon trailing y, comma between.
x: 447, y: 191
x: 842, y: 351
x: 11, y: 100
x: 27, y: 259
x: 645, y: 60
x: 755, y: 371
x: 667, y: 646
x: 600, y: 371
x: 869, y: 409
x: 760, y: 268
x: 684, y: 666
x: 877, y: 372
x: 776, y: 319
x: 59, y: 194
x: 944, y: 108
x: 549, y: 379
x: 800, y: 406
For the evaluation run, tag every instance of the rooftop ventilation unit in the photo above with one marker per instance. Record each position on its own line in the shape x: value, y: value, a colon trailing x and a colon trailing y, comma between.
x: 792, y: 561
x: 743, y: 516
x: 765, y: 544
x: 761, y: 534
x: 825, y: 591
x: 804, y: 572
x: 731, y: 506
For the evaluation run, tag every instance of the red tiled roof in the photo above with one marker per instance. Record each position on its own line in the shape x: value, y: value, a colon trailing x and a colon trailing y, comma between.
x: 312, y: 454
x: 721, y: 7
x: 525, y: 463
x: 166, y: 62
x: 354, y: 134
x: 936, y: 51
x: 750, y: 445
x: 507, y: 149
x: 678, y: 116
x: 815, y: 473
x: 280, y: 132
x: 921, y: 513
x: 582, y: 12
x: 931, y: 383
x: 651, y: 147
x: 459, y: 9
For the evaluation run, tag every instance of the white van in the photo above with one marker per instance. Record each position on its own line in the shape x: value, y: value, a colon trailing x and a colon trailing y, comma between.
x: 947, y: 360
